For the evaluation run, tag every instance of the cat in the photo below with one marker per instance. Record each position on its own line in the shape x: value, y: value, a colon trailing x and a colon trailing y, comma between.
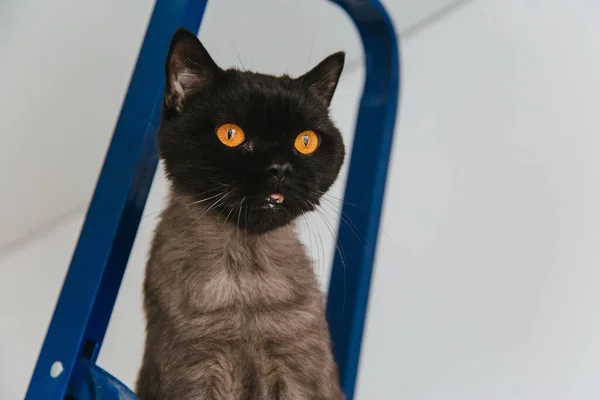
x: 233, y: 307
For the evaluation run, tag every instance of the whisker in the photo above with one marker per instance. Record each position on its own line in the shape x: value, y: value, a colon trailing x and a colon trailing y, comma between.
x: 187, y: 204
x: 237, y: 226
x: 381, y: 229
x: 318, y: 271
x: 213, y: 205
x: 327, y: 195
x: 228, y: 215
x: 246, y: 227
x: 322, y: 249
x: 310, y: 55
x: 320, y: 252
x: 340, y: 251
x: 356, y: 231
x: 152, y: 213
x: 349, y: 223
x: 237, y: 54
x: 203, y: 200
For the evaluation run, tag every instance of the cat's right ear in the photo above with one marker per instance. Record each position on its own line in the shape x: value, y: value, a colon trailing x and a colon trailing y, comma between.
x: 322, y: 80
x: 189, y: 68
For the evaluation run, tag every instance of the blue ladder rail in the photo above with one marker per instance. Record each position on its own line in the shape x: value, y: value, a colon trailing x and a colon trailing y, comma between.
x: 66, y: 364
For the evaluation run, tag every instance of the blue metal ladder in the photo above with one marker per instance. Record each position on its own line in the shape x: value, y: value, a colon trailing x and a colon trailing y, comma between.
x: 66, y: 365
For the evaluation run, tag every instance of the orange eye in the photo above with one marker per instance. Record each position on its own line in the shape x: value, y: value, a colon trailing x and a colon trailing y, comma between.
x: 307, y: 142
x: 231, y: 135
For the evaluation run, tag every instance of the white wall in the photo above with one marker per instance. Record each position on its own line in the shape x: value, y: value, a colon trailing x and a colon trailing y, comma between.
x: 488, y: 274
x: 64, y: 69
x: 485, y: 275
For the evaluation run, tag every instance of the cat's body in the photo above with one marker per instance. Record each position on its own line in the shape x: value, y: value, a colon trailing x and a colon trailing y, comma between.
x: 233, y: 307
x: 229, y: 318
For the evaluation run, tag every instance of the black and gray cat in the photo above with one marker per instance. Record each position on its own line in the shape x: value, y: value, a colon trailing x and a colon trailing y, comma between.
x: 233, y: 307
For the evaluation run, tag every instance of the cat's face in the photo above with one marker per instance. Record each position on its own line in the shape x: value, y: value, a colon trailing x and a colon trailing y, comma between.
x: 260, y: 150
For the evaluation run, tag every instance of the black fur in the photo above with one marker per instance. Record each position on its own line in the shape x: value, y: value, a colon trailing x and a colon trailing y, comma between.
x: 272, y: 111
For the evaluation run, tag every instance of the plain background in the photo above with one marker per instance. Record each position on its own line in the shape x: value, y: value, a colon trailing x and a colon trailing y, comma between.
x: 488, y: 266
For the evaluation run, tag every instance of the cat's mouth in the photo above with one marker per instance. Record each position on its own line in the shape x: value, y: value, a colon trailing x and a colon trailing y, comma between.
x: 273, y: 200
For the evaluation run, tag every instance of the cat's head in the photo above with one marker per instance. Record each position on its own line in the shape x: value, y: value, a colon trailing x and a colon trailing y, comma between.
x: 258, y: 149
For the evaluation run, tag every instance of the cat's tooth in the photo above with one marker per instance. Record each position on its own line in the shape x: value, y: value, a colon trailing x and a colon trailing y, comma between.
x: 276, y: 197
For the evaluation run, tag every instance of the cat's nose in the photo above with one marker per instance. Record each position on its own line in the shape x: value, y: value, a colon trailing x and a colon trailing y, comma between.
x: 280, y: 171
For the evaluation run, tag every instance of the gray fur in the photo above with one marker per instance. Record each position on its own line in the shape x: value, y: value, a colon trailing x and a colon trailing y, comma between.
x: 232, y: 315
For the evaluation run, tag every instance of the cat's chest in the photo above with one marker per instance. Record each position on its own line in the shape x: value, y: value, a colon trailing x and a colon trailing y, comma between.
x: 244, y: 286
x: 241, y: 279
x: 210, y: 293
x: 255, y: 302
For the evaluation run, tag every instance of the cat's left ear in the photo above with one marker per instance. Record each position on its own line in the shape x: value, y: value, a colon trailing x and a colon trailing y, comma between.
x: 323, y: 79
x: 189, y: 69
